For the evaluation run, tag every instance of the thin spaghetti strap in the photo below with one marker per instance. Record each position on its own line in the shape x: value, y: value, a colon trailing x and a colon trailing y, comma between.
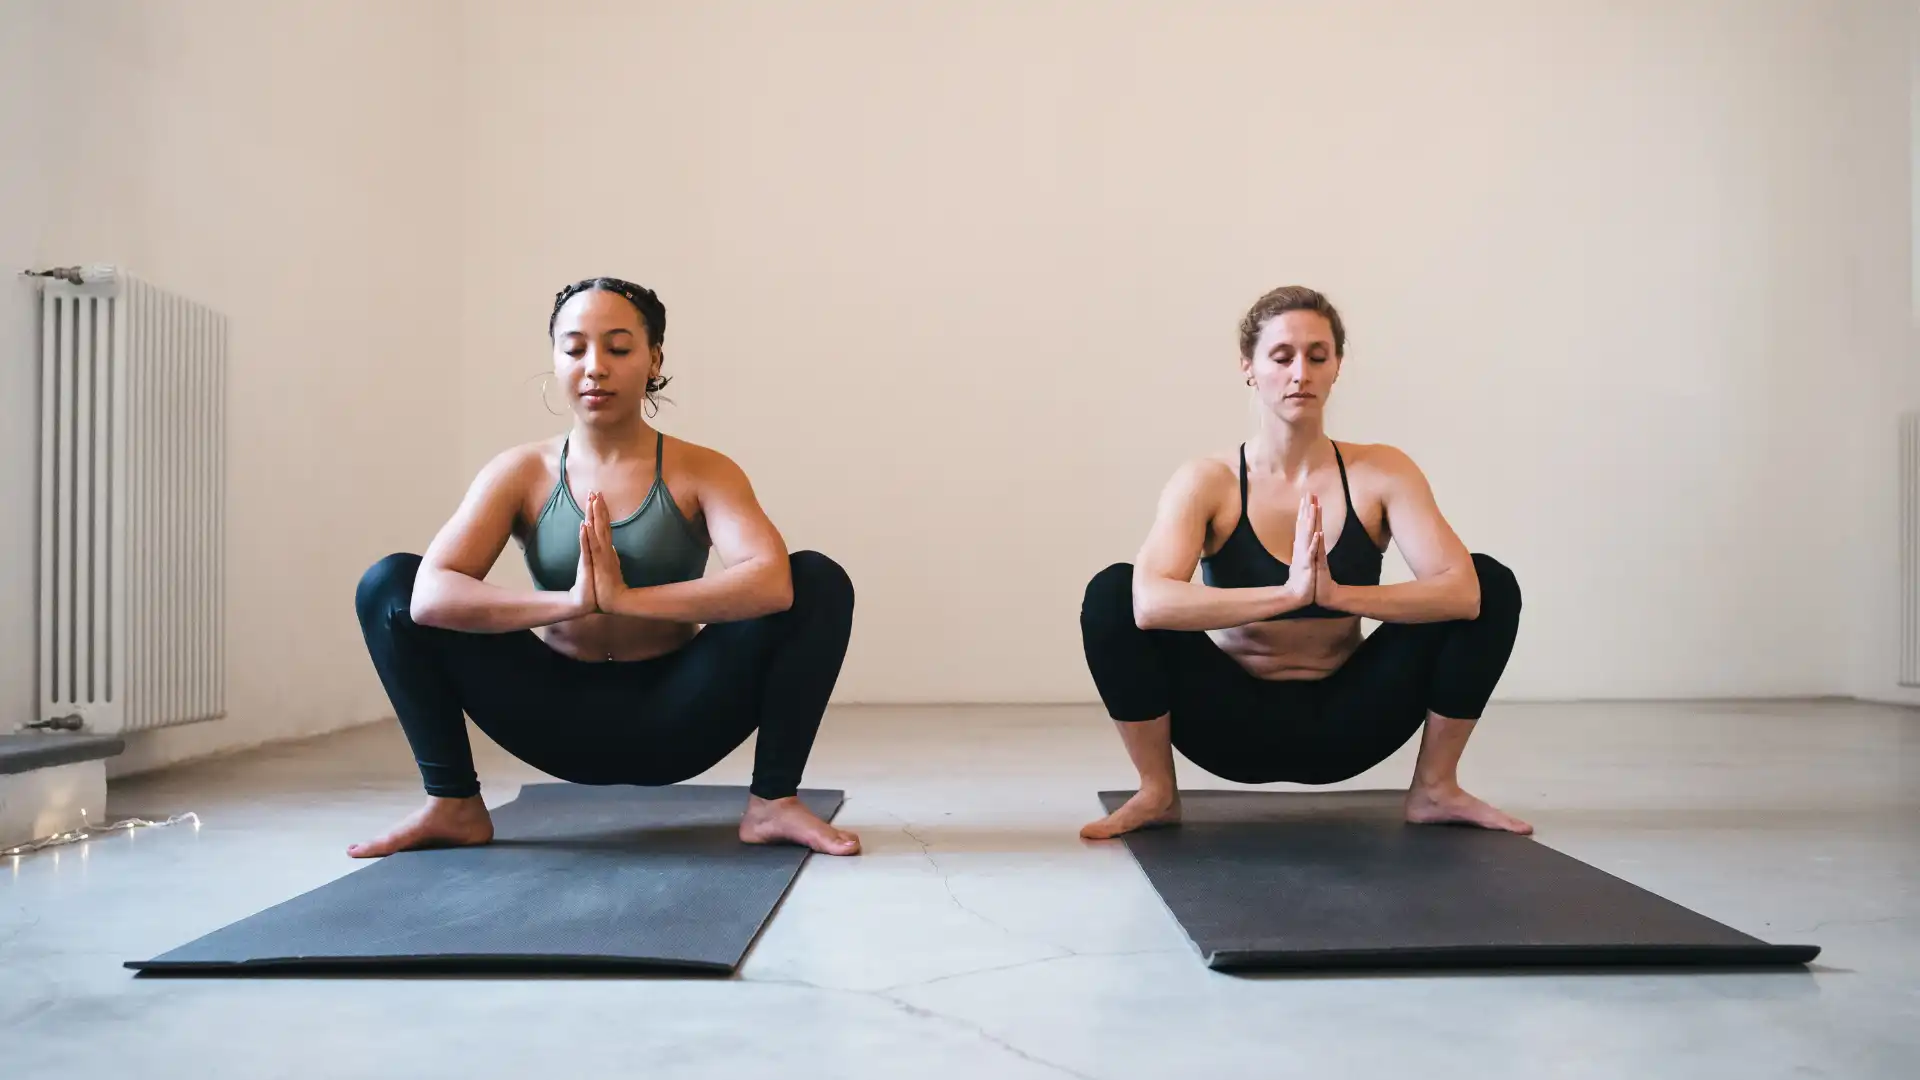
x: 1344, y: 489
x: 659, y: 453
x: 564, y: 443
x: 1243, y: 480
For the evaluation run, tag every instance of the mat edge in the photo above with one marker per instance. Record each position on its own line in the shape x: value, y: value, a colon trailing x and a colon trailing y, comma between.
x: 1439, y: 957
x: 464, y: 963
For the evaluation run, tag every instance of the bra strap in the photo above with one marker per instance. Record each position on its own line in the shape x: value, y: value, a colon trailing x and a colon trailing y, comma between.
x: 1344, y: 489
x: 660, y: 453
x: 1243, y: 480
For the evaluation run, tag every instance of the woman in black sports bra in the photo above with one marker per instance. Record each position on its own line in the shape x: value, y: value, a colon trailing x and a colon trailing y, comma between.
x: 1259, y: 673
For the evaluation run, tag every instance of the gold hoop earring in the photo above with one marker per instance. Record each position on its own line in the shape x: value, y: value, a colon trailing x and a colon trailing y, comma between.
x: 548, y: 381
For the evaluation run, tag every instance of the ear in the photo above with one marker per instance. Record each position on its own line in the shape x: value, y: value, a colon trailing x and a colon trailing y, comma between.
x: 1246, y: 367
x: 659, y: 360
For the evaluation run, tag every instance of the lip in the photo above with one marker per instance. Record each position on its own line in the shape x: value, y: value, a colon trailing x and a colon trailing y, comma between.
x: 1301, y: 397
x: 593, y: 398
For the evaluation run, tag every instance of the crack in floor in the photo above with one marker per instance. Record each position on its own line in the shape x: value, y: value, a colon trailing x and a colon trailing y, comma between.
x: 922, y: 1013
x: 946, y: 882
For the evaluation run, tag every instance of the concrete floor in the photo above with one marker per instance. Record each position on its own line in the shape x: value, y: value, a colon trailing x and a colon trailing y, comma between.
x: 978, y: 937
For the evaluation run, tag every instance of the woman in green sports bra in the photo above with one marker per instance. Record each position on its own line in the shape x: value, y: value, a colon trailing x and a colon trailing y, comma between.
x: 626, y: 663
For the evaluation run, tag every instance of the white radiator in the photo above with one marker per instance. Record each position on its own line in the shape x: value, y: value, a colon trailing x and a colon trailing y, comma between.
x: 1910, y: 549
x: 132, y: 505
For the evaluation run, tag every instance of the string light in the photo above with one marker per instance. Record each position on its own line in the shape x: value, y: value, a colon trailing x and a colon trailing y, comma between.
x: 88, y: 832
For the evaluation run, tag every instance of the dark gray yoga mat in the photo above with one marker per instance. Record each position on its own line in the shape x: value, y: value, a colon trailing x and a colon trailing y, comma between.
x: 578, y: 878
x: 1337, y: 880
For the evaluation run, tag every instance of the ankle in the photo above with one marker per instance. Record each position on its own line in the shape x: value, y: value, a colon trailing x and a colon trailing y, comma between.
x: 1158, y: 790
x: 1436, y: 785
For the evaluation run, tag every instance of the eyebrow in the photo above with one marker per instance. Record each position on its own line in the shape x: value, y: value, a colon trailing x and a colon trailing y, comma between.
x: 615, y: 330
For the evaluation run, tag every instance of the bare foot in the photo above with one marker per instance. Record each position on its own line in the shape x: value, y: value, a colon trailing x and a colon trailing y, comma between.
x: 1147, y: 809
x: 1452, y: 806
x: 788, y: 821
x: 440, y: 823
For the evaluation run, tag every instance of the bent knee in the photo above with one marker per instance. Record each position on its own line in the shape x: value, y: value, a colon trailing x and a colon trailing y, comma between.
x: 387, y: 585
x: 1499, y: 589
x: 1109, y: 598
x: 818, y: 581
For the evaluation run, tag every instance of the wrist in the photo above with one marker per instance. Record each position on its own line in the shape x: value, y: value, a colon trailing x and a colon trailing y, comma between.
x: 1332, y: 595
x: 1293, y: 597
x: 620, y: 601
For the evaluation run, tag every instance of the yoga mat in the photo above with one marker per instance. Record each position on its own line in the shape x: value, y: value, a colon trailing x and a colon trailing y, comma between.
x: 578, y: 878
x: 1337, y: 880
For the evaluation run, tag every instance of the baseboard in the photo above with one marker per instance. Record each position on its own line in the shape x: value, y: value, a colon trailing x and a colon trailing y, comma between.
x: 58, y: 798
x: 168, y: 747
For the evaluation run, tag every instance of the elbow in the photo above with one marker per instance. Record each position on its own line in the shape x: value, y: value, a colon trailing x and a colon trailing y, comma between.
x: 779, y: 599
x: 428, y: 605
x: 425, y: 610
x: 1147, y: 612
x: 1145, y: 616
x: 776, y: 595
x: 1470, y: 601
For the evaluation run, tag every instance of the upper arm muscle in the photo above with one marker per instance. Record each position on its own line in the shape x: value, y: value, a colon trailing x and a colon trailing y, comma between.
x: 1424, y: 537
x: 1179, y: 534
x: 736, y: 523
x: 479, y: 529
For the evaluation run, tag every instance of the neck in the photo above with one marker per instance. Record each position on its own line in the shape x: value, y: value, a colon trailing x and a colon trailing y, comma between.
x: 611, y: 442
x: 1288, y: 447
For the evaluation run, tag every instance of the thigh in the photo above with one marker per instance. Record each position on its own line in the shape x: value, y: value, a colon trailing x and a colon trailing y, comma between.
x: 664, y: 720
x: 534, y: 702
x: 1228, y: 722
x: 1377, y: 700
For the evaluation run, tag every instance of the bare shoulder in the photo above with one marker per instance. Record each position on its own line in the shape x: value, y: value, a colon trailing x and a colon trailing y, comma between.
x: 518, y: 467
x: 1203, y: 491
x: 1384, y: 465
x: 702, y: 464
x: 1204, y: 481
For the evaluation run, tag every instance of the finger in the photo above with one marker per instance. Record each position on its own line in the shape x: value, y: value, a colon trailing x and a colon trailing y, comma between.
x: 593, y: 533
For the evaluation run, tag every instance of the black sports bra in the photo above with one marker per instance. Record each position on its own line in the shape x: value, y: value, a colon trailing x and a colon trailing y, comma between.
x: 1243, y: 562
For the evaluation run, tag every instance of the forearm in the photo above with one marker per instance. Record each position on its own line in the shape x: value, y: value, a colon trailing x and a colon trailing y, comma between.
x: 1164, y: 604
x: 454, y: 601
x: 745, y: 590
x: 1444, y: 597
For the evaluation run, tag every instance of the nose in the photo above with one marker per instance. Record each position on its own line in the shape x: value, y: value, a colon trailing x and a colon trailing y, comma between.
x: 596, y: 361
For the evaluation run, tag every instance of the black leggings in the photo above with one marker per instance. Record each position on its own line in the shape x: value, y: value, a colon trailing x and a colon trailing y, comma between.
x: 649, y: 722
x: 1258, y: 731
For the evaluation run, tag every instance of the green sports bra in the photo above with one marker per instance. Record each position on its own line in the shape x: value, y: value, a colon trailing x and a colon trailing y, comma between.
x: 655, y: 543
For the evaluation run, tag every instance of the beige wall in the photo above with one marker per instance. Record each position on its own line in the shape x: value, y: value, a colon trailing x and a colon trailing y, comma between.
x: 957, y: 285
x: 291, y: 165
x: 23, y: 208
x: 1890, y: 265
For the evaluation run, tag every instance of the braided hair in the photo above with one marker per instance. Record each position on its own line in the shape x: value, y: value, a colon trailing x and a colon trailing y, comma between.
x: 653, y: 314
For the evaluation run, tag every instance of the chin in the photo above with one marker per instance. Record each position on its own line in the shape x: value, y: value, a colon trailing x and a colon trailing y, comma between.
x: 603, y: 417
